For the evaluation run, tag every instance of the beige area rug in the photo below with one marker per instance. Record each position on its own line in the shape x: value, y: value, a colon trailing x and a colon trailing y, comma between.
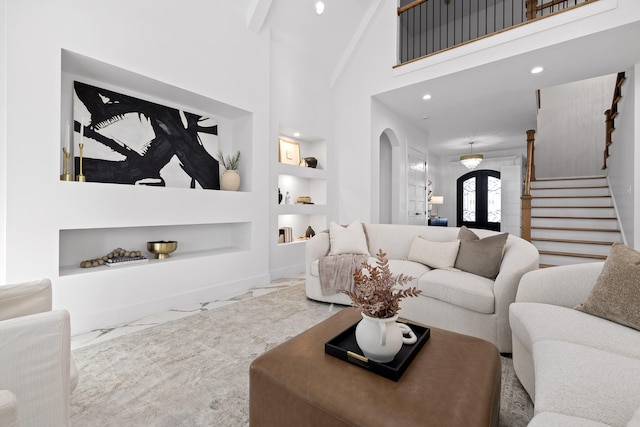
x: 195, y: 371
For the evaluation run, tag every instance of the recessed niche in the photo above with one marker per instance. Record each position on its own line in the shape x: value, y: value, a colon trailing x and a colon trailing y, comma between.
x: 194, y: 240
x: 234, y: 125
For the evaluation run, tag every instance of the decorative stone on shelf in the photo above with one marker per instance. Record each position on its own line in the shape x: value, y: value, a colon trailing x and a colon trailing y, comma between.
x: 117, y: 253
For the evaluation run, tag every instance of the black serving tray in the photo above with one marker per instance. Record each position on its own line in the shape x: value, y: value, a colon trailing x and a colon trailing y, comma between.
x: 344, y: 346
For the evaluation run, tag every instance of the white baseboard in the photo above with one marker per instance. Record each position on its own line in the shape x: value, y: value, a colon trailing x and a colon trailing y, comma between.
x: 289, y: 271
x: 130, y: 313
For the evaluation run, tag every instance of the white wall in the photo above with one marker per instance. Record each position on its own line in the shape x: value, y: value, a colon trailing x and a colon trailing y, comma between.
x: 624, y: 156
x: 3, y: 145
x: 370, y: 71
x: 385, y: 199
x: 384, y: 120
x: 300, y: 100
x: 199, y: 47
x: 508, y: 163
x: 570, y: 137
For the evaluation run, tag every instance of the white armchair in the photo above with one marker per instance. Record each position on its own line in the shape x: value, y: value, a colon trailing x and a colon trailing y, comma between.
x: 37, y: 373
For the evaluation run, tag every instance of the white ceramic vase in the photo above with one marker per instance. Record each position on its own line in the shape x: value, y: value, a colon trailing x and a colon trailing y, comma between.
x: 379, y: 339
x: 230, y: 180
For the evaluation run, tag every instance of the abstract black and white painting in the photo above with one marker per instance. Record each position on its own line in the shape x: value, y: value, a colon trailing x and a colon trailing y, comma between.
x: 128, y: 140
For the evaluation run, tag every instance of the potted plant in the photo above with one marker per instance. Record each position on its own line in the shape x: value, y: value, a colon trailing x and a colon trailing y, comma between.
x: 377, y: 293
x: 230, y: 179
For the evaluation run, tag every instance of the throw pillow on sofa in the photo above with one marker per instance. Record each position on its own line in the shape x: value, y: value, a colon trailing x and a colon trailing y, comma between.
x: 348, y: 240
x: 434, y: 254
x: 480, y: 256
x: 616, y: 294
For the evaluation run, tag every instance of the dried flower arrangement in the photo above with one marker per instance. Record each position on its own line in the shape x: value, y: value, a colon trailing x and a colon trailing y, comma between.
x: 375, y: 291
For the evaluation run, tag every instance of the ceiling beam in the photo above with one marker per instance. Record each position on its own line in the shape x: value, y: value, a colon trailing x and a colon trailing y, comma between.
x: 257, y: 13
x: 355, y: 40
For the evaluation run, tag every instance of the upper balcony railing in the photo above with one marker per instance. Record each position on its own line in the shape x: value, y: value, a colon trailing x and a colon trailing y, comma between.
x: 430, y: 26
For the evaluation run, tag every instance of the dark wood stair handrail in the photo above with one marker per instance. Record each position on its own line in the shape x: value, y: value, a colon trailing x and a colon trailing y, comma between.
x: 610, y: 115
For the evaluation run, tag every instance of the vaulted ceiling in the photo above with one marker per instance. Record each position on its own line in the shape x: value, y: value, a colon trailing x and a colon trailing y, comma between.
x: 493, y: 104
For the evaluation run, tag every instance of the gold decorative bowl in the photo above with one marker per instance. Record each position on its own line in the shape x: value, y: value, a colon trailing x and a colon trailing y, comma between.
x: 161, y: 249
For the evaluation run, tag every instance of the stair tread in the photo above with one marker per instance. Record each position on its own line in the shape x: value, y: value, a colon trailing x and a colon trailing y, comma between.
x: 568, y: 178
x: 570, y: 188
x: 569, y: 197
x: 571, y: 207
x: 581, y: 242
x: 610, y: 230
x: 571, y: 254
x: 573, y: 217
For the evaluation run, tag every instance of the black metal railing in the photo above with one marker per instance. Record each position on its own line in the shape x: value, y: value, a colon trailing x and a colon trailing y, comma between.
x: 429, y: 26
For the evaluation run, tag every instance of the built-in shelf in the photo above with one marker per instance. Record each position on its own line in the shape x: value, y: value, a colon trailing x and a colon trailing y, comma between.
x: 300, y: 209
x: 288, y: 258
x: 152, y: 262
x: 234, y: 125
x: 300, y: 171
x: 194, y: 241
x: 295, y: 242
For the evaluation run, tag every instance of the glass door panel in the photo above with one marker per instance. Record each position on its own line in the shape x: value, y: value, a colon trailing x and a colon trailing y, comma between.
x: 479, y: 201
x: 469, y: 200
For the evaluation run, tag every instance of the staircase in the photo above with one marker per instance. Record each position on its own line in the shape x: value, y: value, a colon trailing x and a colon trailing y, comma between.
x: 572, y: 220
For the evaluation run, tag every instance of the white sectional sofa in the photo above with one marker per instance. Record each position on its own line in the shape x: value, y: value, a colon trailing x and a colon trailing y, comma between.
x: 579, y: 369
x: 455, y: 300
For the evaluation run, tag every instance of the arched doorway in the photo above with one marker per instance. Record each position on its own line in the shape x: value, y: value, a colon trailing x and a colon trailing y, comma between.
x: 479, y: 200
x: 385, y: 167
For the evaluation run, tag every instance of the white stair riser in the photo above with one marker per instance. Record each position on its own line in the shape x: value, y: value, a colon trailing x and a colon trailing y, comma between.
x: 570, y: 183
x: 573, y: 212
x: 598, y: 236
x: 609, y: 224
x: 564, y: 260
x: 571, y: 192
x: 577, y: 248
x: 579, y: 201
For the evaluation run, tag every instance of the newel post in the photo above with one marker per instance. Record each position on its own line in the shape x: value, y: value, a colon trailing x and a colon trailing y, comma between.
x: 530, y: 155
x: 525, y: 230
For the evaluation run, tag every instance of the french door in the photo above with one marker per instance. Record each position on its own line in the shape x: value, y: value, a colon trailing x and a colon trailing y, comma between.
x: 479, y: 200
x: 417, y: 187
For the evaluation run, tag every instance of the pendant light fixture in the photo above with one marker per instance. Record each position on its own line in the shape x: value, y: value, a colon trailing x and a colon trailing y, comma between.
x: 471, y: 161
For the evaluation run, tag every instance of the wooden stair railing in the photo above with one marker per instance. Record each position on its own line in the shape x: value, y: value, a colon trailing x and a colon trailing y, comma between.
x: 611, y: 114
x: 427, y: 27
x: 533, y: 9
x: 525, y: 230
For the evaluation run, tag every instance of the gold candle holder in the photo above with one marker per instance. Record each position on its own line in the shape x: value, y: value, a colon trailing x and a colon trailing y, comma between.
x: 66, y: 176
x: 80, y: 177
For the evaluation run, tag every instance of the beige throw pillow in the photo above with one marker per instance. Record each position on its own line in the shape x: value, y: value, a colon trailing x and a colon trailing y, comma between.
x: 616, y: 294
x: 347, y: 240
x: 480, y: 256
x: 433, y: 254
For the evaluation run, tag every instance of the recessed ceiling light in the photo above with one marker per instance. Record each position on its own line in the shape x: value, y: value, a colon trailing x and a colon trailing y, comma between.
x: 319, y: 6
x: 296, y: 134
x: 426, y: 96
x: 537, y: 70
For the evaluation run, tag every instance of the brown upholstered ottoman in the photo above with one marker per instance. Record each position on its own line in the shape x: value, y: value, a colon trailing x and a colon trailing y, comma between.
x: 453, y: 381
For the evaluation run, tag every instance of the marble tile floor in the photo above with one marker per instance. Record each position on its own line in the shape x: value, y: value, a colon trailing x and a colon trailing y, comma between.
x: 100, y: 335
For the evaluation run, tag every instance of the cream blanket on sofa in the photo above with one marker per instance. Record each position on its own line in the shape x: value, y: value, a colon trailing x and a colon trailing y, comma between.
x: 336, y: 272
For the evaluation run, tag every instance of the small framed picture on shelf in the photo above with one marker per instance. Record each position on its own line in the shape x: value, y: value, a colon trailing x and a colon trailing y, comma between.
x: 289, y: 152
